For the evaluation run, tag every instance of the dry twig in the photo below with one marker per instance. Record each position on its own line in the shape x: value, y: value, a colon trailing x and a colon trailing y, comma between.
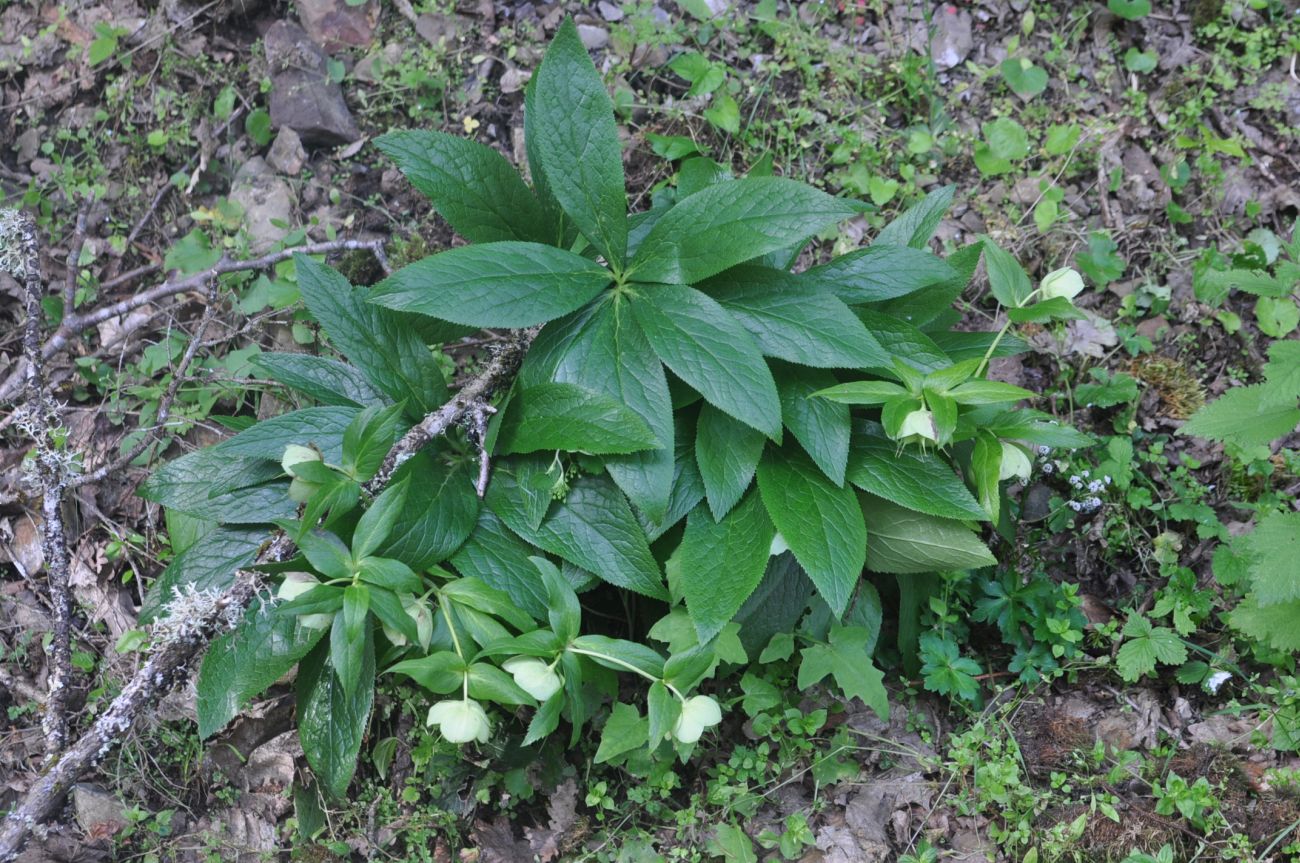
x: 76, y: 324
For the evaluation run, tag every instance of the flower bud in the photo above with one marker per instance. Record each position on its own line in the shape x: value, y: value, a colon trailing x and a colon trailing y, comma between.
x: 295, y: 584
x: 461, y: 721
x: 295, y: 454
x: 1064, y: 282
x: 918, y: 426
x: 698, y: 713
x: 417, y: 610
x: 534, y: 676
x: 1015, y: 463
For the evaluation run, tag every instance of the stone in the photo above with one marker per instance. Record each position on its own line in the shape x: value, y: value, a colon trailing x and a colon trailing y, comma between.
x: 437, y: 29
x: 286, y: 154
x: 267, y: 203
x: 99, y: 813
x: 593, y: 37
x: 610, y: 11
x: 373, y: 65
x: 952, y: 36
x: 335, y: 26
x: 302, y: 95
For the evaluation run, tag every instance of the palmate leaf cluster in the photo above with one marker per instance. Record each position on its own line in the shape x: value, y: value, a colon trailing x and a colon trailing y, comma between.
x: 695, y: 423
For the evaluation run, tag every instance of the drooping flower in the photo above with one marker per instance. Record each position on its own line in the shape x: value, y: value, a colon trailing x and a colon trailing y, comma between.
x: 295, y: 584
x: 417, y: 610
x: 461, y: 721
x: 534, y: 676
x: 698, y: 713
x: 1015, y: 463
x: 918, y: 427
x: 1065, y: 282
x: 300, y: 489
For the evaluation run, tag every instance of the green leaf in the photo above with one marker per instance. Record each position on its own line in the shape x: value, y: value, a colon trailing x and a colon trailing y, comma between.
x: 820, y: 426
x: 210, y: 562
x: 1023, y: 77
x: 573, y: 135
x: 498, y: 557
x: 384, y: 346
x: 388, y: 573
x: 562, y: 608
x: 331, y: 723
x: 1055, y: 309
x: 546, y: 719
x: 391, y: 613
x: 1130, y: 10
x: 904, y: 341
x: 376, y: 523
x: 847, y: 659
x: 506, y: 284
x: 1007, y: 279
x: 862, y: 392
x: 1273, y: 548
x: 687, y: 488
x: 662, y: 711
x: 1245, y: 416
x: 906, y: 541
x: 821, y: 523
x: 489, y: 683
x: 601, y: 348
x: 440, y: 673
x: 732, y: 222
x: 986, y: 473
x: 1274, y: 625
x: 328, y: 381
x: 791, y: 322
x: 672, y: 147
x: 731, y: 844
x: 557, y: 416
x: 722, y: 562
x: 774, y: 607
x: 1276, y: 317
x: 919, y: 481
x: 215, y: 486
x: 242, y: 663
x: 625, y: 730
x: 619, y: 654
x: 318, y: 427
x: 917, y: 225
x: 727, y: 453
x: 710, y: 351
x: 982, y: 392
x: 350, y: 639
x: 441, y: 510
x: 192, y: 253
x: 724, y: 113
x: 594, y: 528
x: 367, y: 440
x: 475, y: 594
x: 327, y: 553
x: 1146, y: 645
x: 471, y: 185
x: 877, y: 273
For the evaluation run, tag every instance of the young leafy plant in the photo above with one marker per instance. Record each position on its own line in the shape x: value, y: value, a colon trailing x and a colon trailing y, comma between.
x: 694, y: 423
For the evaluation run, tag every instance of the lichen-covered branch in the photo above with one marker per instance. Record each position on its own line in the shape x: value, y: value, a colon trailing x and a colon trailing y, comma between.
x: 470, y: 400
x: 49, y: 469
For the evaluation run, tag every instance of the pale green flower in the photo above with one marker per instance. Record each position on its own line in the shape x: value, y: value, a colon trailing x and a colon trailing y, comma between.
x: 1015, y: 463
x: 918, y: 426
x: 698, y: 713
x: 534, y: 676
x: 295, y: 584
x: 461, y: 721
x: 1065, y: 282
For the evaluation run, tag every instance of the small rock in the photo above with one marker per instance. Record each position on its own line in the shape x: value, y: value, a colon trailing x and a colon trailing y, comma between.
x: 373, y: 65
x: 593, y: 37
x: 438, y: 29
x: 286, y: 154
x: 609, y: 11
x: 513, y: 80
x: 952, y: 36
x: 99, y: 813
x: 302, y: 95
x: 266, y: 201
x: 334, y: 25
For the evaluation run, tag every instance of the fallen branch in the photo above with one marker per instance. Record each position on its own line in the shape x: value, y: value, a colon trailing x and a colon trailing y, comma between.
x: 50, y: 470
x: 170, y: 661
x: 76, y: 324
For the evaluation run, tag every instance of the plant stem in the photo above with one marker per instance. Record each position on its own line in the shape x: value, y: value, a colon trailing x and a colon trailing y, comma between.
x: 630, y: 667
